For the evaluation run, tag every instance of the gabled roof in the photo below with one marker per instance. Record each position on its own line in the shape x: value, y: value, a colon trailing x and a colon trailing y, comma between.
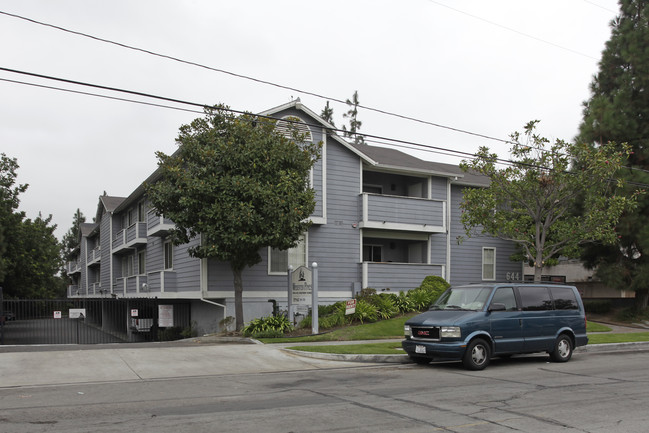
x: 109, y: 203
x: 86, y: 229
x: 386, y: 158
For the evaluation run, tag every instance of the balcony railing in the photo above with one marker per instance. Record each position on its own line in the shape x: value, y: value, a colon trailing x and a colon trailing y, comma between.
x: 72, y: 268
x: 162, y: 281
x: 398, y: 276
x: 402, y: 213
x: 158, y: 225
x: 94, y: 256
x: 130, y: 237
x: 135, y: 285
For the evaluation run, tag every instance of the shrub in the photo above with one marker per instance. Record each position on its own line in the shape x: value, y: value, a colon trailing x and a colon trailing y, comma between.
x: 365, y: 312
x: 403, y: 303
x: 384, y: 304
x: 281, y: 324
x: 428, y: 292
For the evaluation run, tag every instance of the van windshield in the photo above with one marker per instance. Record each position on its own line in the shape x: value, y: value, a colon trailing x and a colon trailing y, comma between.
x: 463, y: 298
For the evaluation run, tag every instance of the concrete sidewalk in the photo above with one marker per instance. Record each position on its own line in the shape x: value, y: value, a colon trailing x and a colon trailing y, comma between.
x: 154, y: 361
x: 203, y: 356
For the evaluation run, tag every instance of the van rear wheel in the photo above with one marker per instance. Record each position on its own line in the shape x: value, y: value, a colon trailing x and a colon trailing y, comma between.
x: 477, y: 355
x: 562, y: 349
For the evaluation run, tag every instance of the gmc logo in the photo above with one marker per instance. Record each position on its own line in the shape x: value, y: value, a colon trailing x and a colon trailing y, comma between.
x: 424, y: 333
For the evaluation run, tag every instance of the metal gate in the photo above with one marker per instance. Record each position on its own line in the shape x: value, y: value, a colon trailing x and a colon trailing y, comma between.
x: 92, y: 321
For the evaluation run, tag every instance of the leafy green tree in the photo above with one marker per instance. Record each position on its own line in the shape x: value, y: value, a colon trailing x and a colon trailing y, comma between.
x: 532, y: 201
x: 240, y: 184
x: 618, y: 111
x: 35, y: 255
x: 327, y: 114
x: 354, y: 123
x: 9, y: 201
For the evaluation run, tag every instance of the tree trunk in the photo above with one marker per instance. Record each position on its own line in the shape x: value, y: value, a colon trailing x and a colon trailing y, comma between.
x: 641, y: 299
x: 238, y: 299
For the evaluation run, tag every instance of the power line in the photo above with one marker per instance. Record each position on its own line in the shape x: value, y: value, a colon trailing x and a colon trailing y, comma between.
x: 392, y: 142
x: 513, y: 30
x: 257, y: 80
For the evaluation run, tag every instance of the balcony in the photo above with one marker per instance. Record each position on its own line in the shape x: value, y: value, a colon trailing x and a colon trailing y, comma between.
x: 94, y: 256
x: 158, y: 225
x: 131, y: 286
x: 72, y: 268
x: 162, y: 281
x: 391, y: 212
x: 130, y: 237
x: 73, y: 289
x: 398, y: 276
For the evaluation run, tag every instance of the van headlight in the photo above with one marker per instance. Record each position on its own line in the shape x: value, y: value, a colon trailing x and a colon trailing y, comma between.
x: 407, y: 331
x: 450, y: 332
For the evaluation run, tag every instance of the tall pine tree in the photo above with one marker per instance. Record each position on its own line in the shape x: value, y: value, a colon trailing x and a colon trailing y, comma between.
x: 618, y: 111
x: 354, y: 123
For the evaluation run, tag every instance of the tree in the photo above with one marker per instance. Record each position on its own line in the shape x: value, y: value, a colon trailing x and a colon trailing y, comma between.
x: 35, y: 254
x: 9, y: 201
x: 71, y: 239
x: 354, y: 123
x: 618, y: 111
x: 327, y: 114
x: 533, y: 200
x: 239, y: 184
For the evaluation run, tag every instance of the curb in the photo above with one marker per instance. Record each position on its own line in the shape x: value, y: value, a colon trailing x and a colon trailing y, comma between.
x: 405, y: 359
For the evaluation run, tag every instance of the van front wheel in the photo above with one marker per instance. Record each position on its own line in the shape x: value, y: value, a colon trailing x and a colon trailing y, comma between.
x: 477, y: 355
x: 562, y: 349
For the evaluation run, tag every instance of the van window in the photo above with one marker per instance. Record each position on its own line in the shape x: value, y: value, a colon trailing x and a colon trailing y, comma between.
x: 505, y: 295
x: 564, y: 298
x: 535, y: 298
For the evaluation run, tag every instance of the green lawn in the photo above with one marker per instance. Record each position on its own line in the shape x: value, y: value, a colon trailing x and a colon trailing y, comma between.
x: 393, y: 328
x: 384, y: 329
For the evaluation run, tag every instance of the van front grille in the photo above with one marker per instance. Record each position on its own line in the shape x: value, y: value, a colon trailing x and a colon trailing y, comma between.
x: 425, y: 333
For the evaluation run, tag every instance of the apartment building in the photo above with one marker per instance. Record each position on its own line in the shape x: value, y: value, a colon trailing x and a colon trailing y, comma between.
x: 383, y: 219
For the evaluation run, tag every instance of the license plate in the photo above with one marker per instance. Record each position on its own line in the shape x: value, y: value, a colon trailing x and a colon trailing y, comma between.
x: 420, y: 349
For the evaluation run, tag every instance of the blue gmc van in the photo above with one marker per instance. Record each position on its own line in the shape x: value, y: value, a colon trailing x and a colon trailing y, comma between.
x: 476, y: 322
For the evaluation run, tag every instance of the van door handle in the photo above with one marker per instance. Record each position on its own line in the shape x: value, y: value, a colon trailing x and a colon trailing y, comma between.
x: 520, y: 322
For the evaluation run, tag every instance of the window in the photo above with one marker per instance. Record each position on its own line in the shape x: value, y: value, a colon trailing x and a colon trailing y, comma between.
x: 488, y: 263
x: 169, y: 255
x: 505, y: 296
x: 131, y: 217
x: 280, y: 260
x: 372, y: 253
x: 564, y: 298
x: 141, y: 212
x: 127, y: 266
x: 535, y: 298
x: 141, y: 262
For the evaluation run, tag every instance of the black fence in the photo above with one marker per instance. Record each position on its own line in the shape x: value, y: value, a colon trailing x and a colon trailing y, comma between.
x: 93, y: 321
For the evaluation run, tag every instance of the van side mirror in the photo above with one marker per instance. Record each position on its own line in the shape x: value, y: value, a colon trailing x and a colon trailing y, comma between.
x: 497, y: 307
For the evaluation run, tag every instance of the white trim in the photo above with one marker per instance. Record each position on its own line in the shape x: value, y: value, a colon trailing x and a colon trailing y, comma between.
x: 448, y: 231
x: 400, y: 226
x: 262, y: 294
x: 483, y: 264
x: 324, y: 175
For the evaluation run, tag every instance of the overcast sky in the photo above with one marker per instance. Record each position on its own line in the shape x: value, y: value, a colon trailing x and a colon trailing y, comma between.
x: 486, y: 67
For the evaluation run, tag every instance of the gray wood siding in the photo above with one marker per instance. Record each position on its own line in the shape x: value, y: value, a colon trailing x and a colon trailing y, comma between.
x: 438, y: 188
x: 187, y: 268
x: 106, y: 256
x: 466, y: 258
